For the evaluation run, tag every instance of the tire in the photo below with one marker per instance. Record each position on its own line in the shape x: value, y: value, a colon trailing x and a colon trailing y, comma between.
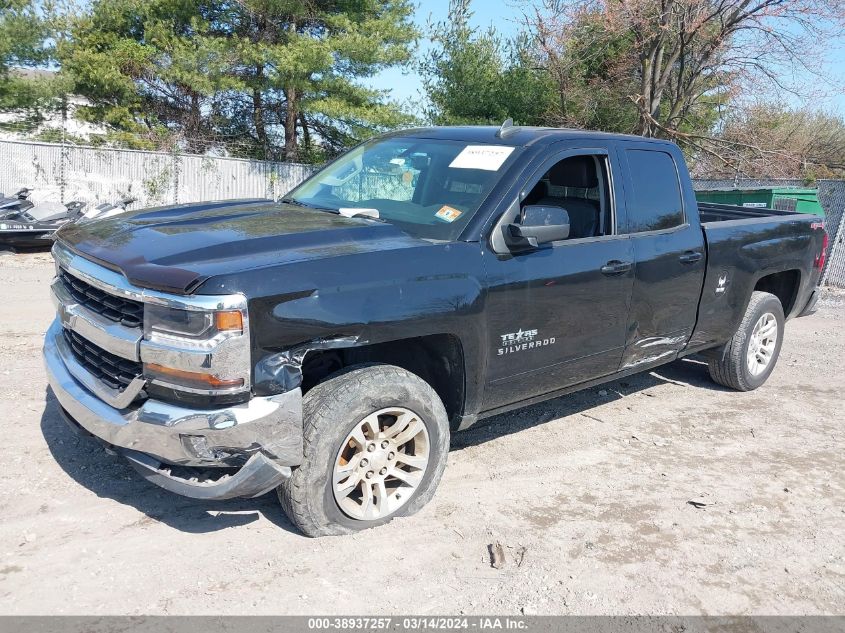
x: 338, y: 407
x: 730, y: 366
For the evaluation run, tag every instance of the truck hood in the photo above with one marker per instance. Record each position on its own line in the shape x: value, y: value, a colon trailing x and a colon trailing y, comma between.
x: 175, y: 249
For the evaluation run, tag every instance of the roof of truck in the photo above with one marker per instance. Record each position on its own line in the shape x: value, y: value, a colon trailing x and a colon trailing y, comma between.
x: 515, y: 135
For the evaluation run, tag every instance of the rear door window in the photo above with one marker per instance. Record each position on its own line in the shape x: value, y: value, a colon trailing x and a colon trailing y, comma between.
x: 655, y: 202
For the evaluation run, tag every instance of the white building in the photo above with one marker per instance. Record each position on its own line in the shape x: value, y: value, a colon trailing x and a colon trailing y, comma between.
x: 73, y: 126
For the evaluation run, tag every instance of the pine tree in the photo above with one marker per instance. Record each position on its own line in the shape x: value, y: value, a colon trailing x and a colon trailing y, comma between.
x: 27, y: 37
x: 262, y: 78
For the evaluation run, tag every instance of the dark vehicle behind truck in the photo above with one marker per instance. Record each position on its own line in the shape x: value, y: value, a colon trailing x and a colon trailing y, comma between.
x: 329, y: 345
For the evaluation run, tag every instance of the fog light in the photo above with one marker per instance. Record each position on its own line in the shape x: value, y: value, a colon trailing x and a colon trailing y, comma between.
x: 197, y: 446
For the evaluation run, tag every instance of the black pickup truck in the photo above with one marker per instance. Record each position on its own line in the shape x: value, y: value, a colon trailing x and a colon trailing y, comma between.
x: 329, y: 344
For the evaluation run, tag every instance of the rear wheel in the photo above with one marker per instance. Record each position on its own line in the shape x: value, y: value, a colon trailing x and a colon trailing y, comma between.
x: 749, y: 358
x: 376, y: 439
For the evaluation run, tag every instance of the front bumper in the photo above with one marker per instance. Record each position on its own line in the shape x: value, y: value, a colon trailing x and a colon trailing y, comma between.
x: 177, y: 447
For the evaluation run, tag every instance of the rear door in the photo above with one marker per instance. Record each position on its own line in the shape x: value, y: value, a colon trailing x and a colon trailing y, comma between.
x: 669, y: 254
x: 557, y: 315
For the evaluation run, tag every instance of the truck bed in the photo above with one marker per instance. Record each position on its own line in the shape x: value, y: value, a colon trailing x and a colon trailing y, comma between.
x: 710, y: 212
x: 743, y: 245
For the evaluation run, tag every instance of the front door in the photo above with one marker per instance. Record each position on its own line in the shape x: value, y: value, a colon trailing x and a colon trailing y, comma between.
x: 557, y: 314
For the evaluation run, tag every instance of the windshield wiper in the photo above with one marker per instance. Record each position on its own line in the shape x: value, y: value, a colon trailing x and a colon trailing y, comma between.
x: 369, y: 217
x: 305, y: 205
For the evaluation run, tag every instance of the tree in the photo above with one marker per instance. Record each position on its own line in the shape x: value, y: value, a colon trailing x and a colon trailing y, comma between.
x: 249, y: 75
x: 22, y: 39
x: 473, y: 77
x: 27, y: 30
x: 149, y: 69
x: 304, y: 60
x: 774, y: 141
x: 683, y: 58
x: 590, y: 67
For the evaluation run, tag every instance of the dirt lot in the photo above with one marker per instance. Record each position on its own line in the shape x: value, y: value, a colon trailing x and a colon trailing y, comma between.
x: 589, y: 496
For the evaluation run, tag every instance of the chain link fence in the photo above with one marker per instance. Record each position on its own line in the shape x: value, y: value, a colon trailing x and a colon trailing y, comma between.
x: 832, y: 199
x: 69, y: 172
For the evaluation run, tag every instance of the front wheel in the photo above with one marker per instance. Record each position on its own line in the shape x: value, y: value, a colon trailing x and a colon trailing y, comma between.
x: 376, y: 439
x: 749, y: 358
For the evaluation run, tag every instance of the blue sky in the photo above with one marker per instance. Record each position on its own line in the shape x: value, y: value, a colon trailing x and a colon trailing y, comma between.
x: 505, y: 16
x: 407, y: 85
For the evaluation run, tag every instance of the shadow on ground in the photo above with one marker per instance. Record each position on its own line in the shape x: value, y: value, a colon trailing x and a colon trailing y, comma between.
x: 110, y: 476
x: 84, y: 460
x: 690, y: 372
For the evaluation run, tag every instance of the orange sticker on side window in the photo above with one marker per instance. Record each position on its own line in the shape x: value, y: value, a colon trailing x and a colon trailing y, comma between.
x: 448, y: 213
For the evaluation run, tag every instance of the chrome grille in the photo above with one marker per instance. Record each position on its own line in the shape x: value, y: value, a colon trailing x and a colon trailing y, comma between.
x: 113, y: 371
x: 125, y: 311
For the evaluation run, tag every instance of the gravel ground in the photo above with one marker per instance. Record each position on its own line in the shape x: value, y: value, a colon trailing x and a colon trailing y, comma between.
x: 589, y: 496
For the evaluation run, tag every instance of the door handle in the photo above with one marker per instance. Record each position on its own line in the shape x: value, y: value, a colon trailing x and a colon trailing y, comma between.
x: 690, y: 257
x: 615, y: 267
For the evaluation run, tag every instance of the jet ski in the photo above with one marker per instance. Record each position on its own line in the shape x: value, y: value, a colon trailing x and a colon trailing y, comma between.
x: 33, y: 225
x: 17, y: 201
x: 106, y: 210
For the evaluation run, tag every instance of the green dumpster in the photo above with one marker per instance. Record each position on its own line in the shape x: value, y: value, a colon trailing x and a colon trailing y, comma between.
x: 793, y: 199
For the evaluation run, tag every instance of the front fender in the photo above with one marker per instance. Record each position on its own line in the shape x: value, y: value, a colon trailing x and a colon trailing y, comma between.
x: 365, y: 299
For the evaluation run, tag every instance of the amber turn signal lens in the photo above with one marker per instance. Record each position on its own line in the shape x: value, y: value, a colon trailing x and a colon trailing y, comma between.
x: 229, y: 320
x: 191, y: 378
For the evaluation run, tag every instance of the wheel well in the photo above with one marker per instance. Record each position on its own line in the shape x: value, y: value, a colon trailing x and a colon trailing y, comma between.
x: 783, y: 285
x: 438, y: 359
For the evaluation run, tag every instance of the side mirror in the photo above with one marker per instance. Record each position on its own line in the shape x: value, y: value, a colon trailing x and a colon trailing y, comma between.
x: 540, y: 225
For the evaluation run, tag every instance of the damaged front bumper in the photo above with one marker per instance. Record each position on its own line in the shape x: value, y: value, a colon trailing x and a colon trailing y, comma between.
x: 240, y: 450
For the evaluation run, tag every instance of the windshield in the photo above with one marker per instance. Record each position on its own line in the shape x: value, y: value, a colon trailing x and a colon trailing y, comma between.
x: 428, y: 188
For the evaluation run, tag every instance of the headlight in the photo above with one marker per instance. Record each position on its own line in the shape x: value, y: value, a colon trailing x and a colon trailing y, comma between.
x: 164, y: 322
x: 196, y: 351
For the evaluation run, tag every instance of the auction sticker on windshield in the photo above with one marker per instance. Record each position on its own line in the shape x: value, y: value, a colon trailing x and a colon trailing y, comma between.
x: 448, y: 213
x: 488, y: 157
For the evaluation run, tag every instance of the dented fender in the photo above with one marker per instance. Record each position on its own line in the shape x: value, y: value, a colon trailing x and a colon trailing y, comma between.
x: 355, y: 300
x: 281, y: 372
